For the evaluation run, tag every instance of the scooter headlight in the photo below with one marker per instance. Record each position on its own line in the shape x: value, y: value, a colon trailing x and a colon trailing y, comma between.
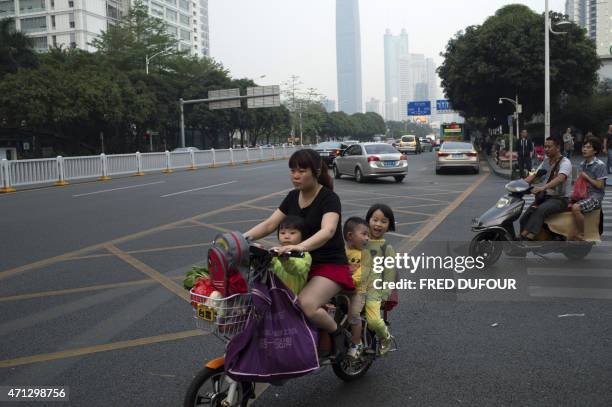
x: 503, y: 202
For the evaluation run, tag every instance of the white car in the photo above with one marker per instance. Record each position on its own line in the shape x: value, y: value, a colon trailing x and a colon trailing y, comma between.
x: 371, y: 160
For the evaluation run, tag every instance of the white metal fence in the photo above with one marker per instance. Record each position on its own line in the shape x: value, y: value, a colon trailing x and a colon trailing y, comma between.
x: 60, y: 170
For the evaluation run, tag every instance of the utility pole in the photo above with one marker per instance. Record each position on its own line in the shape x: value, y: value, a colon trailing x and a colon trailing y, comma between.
x: 291, y: 86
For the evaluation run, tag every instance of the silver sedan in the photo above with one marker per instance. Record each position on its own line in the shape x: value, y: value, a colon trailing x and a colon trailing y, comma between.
x: 457, y: 154
x: 371, y: 160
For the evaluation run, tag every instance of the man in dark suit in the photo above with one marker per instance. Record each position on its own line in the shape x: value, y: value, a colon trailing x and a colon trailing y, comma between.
x: 524, y: 150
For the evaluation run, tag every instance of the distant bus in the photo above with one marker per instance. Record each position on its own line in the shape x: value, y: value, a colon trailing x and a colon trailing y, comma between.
x: 451, y: 132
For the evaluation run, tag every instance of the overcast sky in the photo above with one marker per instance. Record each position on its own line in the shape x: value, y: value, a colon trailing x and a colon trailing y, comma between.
x: 279, y: 38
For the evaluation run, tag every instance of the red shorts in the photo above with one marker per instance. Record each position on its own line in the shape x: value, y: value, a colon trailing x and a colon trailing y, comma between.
x: 338, y: 273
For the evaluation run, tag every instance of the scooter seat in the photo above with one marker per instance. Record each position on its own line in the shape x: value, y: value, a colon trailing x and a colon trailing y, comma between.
x: 564, y: 224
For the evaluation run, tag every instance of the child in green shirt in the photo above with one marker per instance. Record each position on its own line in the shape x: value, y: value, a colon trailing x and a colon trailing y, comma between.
x: 293, y: 271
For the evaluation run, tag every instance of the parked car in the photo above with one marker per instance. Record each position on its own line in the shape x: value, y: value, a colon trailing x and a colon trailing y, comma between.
x: 328, y: 150
x: 425, y: 144
x: 371, y: 160
x: 457, y: 154
x: 409, y: 143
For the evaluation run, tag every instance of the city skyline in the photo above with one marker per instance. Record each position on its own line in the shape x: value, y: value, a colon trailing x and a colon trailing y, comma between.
x: 305, y: 46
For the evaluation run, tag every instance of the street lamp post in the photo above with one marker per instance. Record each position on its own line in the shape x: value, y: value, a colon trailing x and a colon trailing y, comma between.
x: 517, y: 110
x: 149, y: 58
x: 547, y: 31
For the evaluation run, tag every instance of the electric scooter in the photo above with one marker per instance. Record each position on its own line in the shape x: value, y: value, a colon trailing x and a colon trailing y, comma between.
x: 495, y: 232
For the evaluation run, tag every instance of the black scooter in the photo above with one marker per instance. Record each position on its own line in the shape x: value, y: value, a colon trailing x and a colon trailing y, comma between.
x: 495, y: 232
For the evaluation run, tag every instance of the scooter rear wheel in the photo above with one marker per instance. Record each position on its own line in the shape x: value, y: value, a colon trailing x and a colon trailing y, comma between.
x: 209, y: 388
x: 489, y: 245
x: 577, y: 251
x: 350, y: 370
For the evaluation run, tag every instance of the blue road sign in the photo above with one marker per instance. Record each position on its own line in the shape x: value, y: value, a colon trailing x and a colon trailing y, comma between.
x: 422, y: 108
x: 443, y: 104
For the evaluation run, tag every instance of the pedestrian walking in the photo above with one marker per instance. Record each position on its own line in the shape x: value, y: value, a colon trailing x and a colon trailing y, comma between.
x: 578, y: 139
x: 524, y: 153
x: 568, y: 142
x: 607, y: 148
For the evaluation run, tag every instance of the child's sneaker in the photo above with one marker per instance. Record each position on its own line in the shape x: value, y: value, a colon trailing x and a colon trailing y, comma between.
x: 354, y: 351
x: 385, y: 345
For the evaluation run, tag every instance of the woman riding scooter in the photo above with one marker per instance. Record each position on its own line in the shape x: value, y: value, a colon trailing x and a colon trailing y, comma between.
x: 315, y: 202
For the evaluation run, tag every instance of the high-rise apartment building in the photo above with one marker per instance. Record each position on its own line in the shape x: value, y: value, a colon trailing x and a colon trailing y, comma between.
x: 348, y: 56
x: 330, y: 105
x: 596, y: 17
x: 76, y: 23
x: 373, y: 105
x: 431, y: 78
x: 396, y: 49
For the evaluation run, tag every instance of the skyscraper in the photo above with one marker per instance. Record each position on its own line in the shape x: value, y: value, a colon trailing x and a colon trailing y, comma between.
x: 431, y: 77
x: 76, y: 23
x: 396, y: 49
x: 330, y: 105
x: 373, y: 105
x: 348, y: 56
x: 596, y: 17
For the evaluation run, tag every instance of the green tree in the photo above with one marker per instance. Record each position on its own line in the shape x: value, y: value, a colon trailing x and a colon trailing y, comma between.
x: 16, y: 49
x: 504, y: 57
x: 134, y: 37
x: 398, y: 129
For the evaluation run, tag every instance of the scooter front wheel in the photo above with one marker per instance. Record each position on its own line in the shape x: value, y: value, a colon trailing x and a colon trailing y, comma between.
x: 210, y: 388
x: 488, y: 245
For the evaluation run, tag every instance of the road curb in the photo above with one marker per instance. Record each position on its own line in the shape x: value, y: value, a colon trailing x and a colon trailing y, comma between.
x: 495, y: 168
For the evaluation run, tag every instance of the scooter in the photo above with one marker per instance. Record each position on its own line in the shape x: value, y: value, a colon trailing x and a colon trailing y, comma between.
x: 212, y: 387
x: 495, y: 232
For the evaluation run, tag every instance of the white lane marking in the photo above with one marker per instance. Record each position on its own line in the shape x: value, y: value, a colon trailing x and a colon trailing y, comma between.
x: 258, y: 167
x: 566, y: 292
x: 117, y: 189
x: 552, y: 272
x: 198, y: 189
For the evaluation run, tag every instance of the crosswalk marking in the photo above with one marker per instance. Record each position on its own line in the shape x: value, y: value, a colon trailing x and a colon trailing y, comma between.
x: 556, y: 269
x: 568, y: 292
x: 556, y: 272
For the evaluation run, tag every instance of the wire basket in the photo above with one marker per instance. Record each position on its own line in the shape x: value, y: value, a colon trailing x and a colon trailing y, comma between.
x: 224, y: 317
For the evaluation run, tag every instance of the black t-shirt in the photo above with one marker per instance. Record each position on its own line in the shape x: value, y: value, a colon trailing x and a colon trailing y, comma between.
x: 332, y: 252
x: 609, y: 138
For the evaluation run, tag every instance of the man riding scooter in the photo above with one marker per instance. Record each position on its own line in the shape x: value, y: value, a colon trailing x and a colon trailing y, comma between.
x: 551, y: 197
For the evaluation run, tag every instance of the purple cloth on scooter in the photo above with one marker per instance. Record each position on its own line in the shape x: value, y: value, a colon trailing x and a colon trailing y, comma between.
x: 278, y: 342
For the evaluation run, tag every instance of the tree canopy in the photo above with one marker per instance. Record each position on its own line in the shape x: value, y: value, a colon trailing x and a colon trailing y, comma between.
x: 504, y: 57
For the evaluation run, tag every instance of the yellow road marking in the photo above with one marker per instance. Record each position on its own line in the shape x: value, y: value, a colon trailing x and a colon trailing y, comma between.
x: 395, y: 210
x: 126, y: 238
x: 88, y: 350
x: 412, y: 223
x: 420, y: 205
x: 413, y: 212
x: 260, y: 208
x: 156, y: 249
x: 394, y: 196
x: 224, y: 230
x: 240, y: 221
x: 82, y: 289
x: 433, y: 223
x: 149, y: 271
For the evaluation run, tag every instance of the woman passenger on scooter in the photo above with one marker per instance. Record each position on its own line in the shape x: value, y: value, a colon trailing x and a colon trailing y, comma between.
x: 314, y: 201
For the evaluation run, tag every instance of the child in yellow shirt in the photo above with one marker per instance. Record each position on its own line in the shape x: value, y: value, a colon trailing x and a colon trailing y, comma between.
x: 356, y: 235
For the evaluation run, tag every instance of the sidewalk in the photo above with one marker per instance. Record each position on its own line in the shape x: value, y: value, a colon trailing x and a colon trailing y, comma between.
x: 505, y: 172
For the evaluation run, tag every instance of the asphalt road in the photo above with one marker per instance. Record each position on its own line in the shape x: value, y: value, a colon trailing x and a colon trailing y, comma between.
x: 90, y: 296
